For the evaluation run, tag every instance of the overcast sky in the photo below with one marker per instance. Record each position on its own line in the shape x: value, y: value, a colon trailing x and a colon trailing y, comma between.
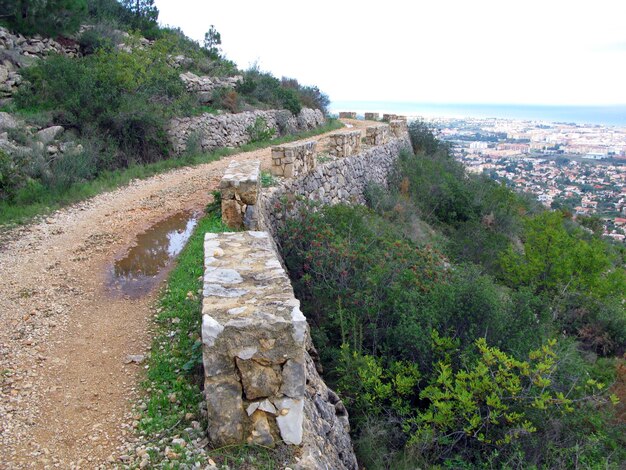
x: 441, y: 51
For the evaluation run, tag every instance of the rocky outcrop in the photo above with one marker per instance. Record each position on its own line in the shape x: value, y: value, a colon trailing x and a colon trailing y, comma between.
x: 204, y: 86
x: 210, y: 131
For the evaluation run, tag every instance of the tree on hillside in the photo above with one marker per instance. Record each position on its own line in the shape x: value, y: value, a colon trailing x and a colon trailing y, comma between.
x: 212, y: 41
x: 144, y: 13
x: 45, y: 17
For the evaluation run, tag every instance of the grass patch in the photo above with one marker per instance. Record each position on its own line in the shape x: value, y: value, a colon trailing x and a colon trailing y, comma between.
x: 36, y: 200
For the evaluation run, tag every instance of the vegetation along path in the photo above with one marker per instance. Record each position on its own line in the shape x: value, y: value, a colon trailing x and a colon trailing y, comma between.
x: 67, y: 389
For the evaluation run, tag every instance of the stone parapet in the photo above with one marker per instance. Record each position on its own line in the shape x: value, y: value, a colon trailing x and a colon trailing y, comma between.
x: 372, y: 116
x: 377, y: 135
x: 344, y: 144
x: 294, y: 159
x: 347, y: 115
x: 398, y: 127
x: 254, y: 342
x: 239, y: 190
x: 342, y: 180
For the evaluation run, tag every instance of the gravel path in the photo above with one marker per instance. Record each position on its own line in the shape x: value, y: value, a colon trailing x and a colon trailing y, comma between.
x: 66, y: 393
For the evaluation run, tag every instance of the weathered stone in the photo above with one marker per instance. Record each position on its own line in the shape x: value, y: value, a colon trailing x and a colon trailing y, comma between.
x: 372, y: 116
x: 261, y: 432
x: 377, y: 135
x: 290, y: 419
x: 398, y: 127
x: 48, y: 134
x: 7, y: 121
x: 232, y: 213
x: 225, y: 410
x: 259, y: 381
x: 259, y: 330
x: 347, y: 115
x: 293, y: 379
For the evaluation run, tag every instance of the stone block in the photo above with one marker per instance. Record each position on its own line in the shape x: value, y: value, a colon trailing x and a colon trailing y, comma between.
x: 377, y: 135
x: 372, y: 116
x: 347, y: 115
x: 344, y: 144
x: 292, y: 160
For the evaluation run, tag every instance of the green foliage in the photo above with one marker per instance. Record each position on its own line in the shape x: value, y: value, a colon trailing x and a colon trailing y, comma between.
x: 45, y: 17
x: 260, y: 131
x: 556, y: 259
x: 142, y: 15
x: 260, y: 87
x: 489, y: 391
x: 125, y: 96
x: 12, y: 175
x: 423, y: 140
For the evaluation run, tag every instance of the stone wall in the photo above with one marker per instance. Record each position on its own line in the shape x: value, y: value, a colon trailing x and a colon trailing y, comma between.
x: 204, y: 86
x: 347, y: 115
x: 239, y: 189
x: 338, y: 181
x: 377, y: 135
x: 294, y: 159
x: 343, y: 144
x: 17, y: 51
x: 212, y: 131
x: 372, y: 116
x: 261, y: 384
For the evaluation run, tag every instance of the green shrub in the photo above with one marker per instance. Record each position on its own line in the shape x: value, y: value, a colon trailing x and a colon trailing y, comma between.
x: 260, y: 131
x: 128, y: 97
x: 12, y: 175
x: 48, y: 17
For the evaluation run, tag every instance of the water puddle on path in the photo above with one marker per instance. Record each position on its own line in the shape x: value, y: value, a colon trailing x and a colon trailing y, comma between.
x: 151, y: 255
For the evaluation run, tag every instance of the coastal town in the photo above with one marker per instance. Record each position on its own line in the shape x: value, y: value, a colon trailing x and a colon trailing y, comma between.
x: 577, y: 167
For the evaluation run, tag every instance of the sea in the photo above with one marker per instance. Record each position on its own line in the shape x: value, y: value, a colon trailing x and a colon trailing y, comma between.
x: 614, y: 116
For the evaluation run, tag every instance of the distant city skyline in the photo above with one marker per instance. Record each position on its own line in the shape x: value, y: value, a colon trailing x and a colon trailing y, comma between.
x: 532, y: 52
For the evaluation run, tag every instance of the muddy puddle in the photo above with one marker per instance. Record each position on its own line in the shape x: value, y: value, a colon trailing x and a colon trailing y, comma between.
x: 148, y: 260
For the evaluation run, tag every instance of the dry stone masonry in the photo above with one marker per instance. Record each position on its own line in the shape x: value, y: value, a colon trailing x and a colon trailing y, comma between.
x: 17, y: 51
x: 372, y: 116
x: 254, y: 338
x: 294, y: 159
x: 344, y: 144
x: 347, y: 115
x: 209, y: 131
x: 204, y: 86
x: 239, y: 190
x: 341, y: 180
x: 377, y: 135
x: 398, y: 127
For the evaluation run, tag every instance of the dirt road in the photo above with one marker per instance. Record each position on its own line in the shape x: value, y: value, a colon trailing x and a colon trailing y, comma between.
x: 66, y: 392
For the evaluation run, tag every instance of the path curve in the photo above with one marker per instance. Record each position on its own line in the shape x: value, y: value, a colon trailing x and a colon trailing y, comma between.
x: 65, y: 392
